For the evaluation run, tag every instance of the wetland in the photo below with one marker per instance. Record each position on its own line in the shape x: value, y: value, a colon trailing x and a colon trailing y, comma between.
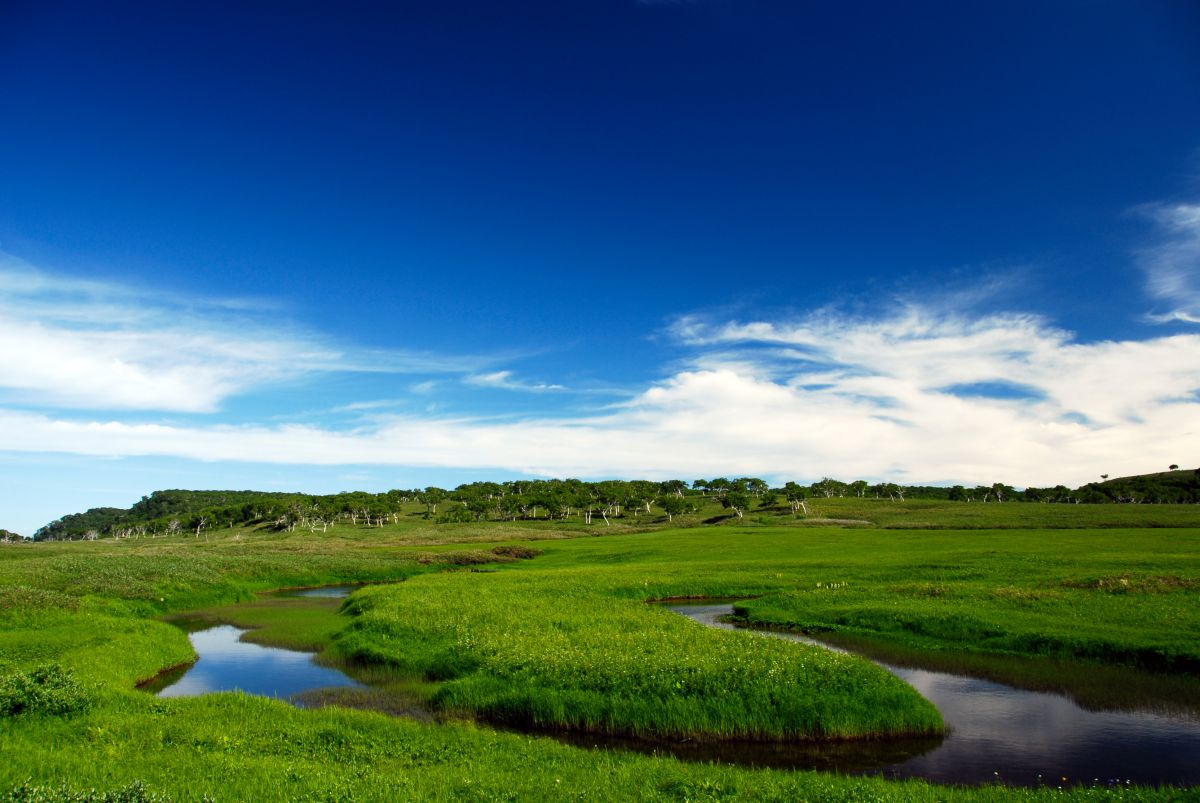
x: 552, y: 670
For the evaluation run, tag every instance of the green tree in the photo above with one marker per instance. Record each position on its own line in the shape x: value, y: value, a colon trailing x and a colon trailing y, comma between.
x: 431, y: 497
x: 737, y: 501
x: 674, y: 506
x: 829, y: 487
x: 795, y: 495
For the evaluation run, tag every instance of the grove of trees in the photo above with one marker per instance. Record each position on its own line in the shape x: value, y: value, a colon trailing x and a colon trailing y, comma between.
x: 175, y: 512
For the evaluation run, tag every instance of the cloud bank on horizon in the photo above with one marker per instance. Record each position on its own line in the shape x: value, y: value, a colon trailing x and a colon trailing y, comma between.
x: 919, y: 393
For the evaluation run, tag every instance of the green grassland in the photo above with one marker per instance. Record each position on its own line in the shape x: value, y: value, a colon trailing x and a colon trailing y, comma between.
x: 1078, y: 594
x: 942, y: 514
x: 563, y: 649
x: 565, y: 639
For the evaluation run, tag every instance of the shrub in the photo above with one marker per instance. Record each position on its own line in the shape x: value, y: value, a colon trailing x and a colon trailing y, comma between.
x: 47, y: 689
x: 519, y: 552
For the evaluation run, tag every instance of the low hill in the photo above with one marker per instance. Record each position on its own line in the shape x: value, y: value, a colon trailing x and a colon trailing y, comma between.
x: 1181, y: 486
x: 160, y: 509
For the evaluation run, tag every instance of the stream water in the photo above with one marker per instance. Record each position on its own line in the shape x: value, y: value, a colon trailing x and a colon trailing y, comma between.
x: 996, y: 733
x: 226, y: 663
x: 1019, y: 737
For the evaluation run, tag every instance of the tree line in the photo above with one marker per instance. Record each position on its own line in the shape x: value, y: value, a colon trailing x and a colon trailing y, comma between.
x: 174, y: 512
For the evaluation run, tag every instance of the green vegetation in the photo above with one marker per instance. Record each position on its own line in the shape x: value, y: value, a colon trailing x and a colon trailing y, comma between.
x: 1073, y: 595
x: 233, y: 747
x: 517, y: 621
x: 167, y: 513
x: 48, y: 689
x: 562, y: 649
x: 1169, y: 487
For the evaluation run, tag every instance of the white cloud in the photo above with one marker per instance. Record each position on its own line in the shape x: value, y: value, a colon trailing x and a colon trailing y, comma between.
x: 912, y: 355
x: 506, y: 381
x: 866, y: 399
x: 1172, y: 264
x: 98, y: 345
x: 912, y: 394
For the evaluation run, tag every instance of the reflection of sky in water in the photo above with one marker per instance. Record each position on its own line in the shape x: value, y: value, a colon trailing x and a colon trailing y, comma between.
x: 322, y: 592
x: 1022, y: 734
x: 1019, y: 735
x: 226, y: 664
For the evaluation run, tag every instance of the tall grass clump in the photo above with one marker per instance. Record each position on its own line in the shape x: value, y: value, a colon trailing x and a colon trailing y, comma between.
x: 557, y: 650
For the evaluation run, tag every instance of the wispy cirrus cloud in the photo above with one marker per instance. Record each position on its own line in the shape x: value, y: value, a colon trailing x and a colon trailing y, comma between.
x: 80, y: 343
x: 1172, y: 261
x: 505, y: 380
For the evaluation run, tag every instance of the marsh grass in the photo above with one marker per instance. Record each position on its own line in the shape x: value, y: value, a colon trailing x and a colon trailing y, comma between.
x: 93, y: 608
x: 553, y: 651
x: 231, y: 747
x: 1112, y: 597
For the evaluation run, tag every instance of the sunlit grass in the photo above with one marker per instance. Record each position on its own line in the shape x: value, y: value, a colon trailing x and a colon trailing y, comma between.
x: 554, y: 650
x: 581, y: 647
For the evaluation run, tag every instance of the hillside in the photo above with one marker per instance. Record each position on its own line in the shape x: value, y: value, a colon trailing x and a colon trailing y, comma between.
x: 1181, y: 486
x: 161, y: 508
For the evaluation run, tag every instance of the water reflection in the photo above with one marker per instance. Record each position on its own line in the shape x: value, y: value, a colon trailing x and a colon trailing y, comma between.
x: 227, y: 664
x: 319, y: 592
x: 1027, y: 738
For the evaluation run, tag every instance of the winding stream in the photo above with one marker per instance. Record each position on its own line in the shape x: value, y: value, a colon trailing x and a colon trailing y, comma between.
x: 1019, y: 737
x: 996, y: 733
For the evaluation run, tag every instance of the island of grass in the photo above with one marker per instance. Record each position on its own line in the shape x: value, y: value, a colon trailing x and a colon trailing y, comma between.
x: 559, y: 650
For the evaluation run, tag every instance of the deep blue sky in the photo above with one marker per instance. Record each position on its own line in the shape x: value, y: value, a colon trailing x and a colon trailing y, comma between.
x: 545, y: 188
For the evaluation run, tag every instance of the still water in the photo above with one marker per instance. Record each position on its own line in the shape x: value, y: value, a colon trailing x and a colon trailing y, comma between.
x: 226, y: 663
x: 318, y: 592
x: 1000, y: 733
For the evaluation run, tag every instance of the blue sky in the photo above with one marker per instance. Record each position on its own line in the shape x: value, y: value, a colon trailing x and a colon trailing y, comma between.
x: 293, y: 246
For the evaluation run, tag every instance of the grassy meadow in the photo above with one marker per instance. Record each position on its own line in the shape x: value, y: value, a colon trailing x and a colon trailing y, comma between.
x: 556, y: 634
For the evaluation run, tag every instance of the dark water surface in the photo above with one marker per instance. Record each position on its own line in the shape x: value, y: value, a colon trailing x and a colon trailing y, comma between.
x: 998, y: 732
x: 319, y: 592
